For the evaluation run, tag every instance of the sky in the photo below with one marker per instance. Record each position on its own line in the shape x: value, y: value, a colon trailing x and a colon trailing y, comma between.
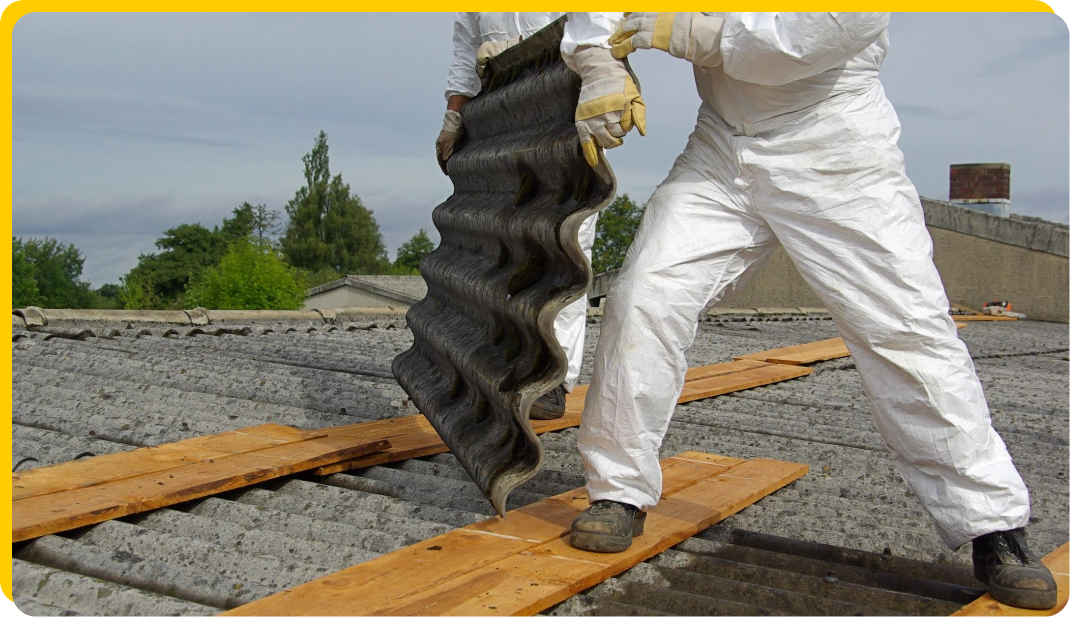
x: 127, y: 124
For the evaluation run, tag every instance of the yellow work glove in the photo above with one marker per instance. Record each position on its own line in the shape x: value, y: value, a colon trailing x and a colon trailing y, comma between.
x: 689, y: 36
x: 609, y: 104
x: 452, y: 131
x: 491, y: 49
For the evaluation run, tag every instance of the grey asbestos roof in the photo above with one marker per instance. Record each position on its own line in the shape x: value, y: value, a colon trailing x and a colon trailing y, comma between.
x: 90, y: 388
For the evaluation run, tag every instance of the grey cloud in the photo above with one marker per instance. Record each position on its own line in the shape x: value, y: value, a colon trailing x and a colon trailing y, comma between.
x: 1029, y: 50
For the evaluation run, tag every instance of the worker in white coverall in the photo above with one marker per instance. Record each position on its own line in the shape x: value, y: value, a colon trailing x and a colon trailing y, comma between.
x: 477, y: 37
x: 795, y: 146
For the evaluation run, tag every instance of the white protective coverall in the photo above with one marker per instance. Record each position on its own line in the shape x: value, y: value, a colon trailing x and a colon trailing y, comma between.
x: 795, y: 145
x: 470, y: 30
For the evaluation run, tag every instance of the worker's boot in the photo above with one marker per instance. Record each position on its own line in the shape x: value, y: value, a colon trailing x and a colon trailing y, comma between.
x: 549, y: 406
x: 607, y: 527
x: 1014, y: 575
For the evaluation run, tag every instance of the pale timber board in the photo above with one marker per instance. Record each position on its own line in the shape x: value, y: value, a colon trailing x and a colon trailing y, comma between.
x: 54, y: 512
x: 413, y: 436
x: 523, y: 564
x: 1058, y: 561
x: 806, y: 353
x: 119, y: 465
x: 983, y: 318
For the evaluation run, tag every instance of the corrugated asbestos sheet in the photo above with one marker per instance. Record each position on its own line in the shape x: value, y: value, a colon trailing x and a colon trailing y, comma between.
x: 93, y: 388
x: 508, y: 261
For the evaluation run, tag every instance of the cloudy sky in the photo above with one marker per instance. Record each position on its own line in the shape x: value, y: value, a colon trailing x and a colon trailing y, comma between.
x: 128, y: 124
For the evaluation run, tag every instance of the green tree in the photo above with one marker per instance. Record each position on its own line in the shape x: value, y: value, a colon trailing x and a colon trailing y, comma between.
x: 56, y: 269
x: 24, y: 290
x: 160, y: 279
x: 251, y: 276
x: 329, y: 227
x: 616, y: 230
x: 411, y: 252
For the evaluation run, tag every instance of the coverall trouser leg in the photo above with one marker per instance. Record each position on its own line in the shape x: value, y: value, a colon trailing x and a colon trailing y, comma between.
x: 833, y: 191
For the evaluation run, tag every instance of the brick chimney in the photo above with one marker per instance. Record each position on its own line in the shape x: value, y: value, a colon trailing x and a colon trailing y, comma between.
x: 982, y: 186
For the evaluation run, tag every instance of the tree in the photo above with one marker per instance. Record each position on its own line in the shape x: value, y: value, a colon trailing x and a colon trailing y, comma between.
x: 55, y: 269
x: 250, y: 276
x: 160, y: 279
x: 411, y: 252
x: 252, y: 221
x: 616, y: 230
x: 329, y: 227
x: 24, y: 290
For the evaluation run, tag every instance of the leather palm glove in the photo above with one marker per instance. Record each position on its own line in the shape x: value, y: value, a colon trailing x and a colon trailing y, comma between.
x: 609, y: 105
x: 689, y: 36
x: 452, y: 131
x: 491, y: 49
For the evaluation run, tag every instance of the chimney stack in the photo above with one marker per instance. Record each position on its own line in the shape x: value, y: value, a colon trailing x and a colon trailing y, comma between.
x: 982, y: 186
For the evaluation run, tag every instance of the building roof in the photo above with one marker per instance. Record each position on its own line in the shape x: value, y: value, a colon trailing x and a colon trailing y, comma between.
x: 106, y: 385
x: 409, y: 289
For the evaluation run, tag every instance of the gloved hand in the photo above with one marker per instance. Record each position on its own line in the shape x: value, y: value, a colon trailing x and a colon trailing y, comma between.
x: 452, y: 131
x: 689, y: 36
x: 609, y: 104
x: 491, y: 49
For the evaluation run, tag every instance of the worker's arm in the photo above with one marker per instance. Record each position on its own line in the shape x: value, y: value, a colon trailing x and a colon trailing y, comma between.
x: 584, y: 30
x: 609, y: 105
x: 773, y: 49
x: 769, y: 49
x: 463, y: 81
x: 461, y: 85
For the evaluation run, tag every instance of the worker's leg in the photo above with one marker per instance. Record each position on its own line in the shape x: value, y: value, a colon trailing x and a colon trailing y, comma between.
x: 853, y: 224
x: 697, y: 237
x: 571, y: 322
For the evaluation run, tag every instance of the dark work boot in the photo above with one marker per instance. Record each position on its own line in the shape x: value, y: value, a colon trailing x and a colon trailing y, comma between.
x: 1014, y: 575
x: 549, y: 406
x: 607, y: 527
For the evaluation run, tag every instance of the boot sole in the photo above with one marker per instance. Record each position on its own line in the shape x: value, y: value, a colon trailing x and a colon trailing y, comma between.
x: 602, y: 543
x: 1025, y: 598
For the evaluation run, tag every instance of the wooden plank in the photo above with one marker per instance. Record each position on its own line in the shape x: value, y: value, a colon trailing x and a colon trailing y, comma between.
x: 1058, y: 561
x: 413, y: 436
x: 807, y: 353
x: 723, y: 384
x: 51, y: 513
x: 523, y: 563
x: 983, y: 318
x: 120, y: 465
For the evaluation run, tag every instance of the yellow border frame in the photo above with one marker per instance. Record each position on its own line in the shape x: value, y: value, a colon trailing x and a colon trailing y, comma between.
x: 17, y: 10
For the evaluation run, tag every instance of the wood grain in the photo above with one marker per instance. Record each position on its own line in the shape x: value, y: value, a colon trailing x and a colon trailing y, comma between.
x: 523, y: 563
x: 807, y: 353
x: 33, y: 517
x: 1058, y: 561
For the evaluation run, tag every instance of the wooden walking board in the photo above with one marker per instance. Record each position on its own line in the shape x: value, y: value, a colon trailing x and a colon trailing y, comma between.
x: 523, y: 563
x: 1058, y: 561
x: 983, y: 318
x: 70, y: 495
x: 808, y: 353
x: 413, y: 436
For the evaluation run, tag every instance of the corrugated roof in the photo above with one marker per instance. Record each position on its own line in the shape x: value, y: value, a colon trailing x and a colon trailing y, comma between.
x: 115, y: 388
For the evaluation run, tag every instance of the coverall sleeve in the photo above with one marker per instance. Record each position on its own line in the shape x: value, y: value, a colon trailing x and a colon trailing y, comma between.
x: 463, y: 78
x: 587, y: 30
x: 773, y: 49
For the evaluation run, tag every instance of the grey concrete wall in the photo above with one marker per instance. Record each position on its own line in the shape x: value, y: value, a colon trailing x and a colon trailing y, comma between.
x: 976, y: 270
x: 980, y: 258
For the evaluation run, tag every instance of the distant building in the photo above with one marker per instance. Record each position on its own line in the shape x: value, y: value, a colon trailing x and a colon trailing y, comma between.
x: 368, y: 291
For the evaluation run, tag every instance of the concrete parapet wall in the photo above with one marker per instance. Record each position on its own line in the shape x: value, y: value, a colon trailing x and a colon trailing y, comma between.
x: 980, y: 258
x: 1037, y: 236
